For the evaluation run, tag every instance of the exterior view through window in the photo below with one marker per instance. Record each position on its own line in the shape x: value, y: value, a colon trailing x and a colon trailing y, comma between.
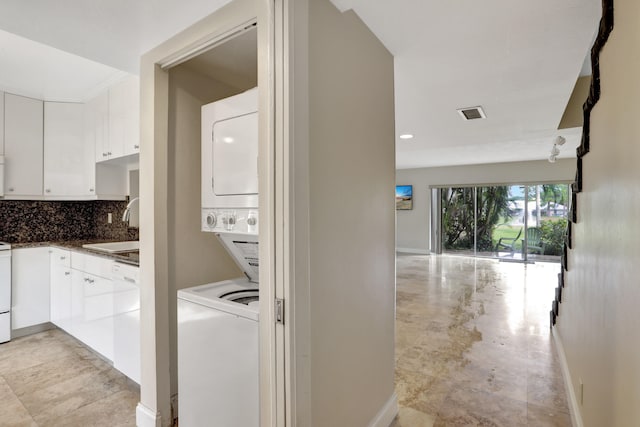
x: 510, y: 222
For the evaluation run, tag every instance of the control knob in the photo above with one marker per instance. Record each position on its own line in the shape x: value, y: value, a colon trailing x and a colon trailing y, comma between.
x: 211, y: 220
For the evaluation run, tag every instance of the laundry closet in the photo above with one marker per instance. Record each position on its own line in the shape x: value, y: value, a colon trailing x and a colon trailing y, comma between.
x: 197, y: 256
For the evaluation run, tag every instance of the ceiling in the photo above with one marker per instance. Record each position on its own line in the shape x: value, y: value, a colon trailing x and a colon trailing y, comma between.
x: 518, y: 60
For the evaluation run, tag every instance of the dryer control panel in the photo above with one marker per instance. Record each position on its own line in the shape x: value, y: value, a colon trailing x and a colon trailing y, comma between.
x: 240, y: 220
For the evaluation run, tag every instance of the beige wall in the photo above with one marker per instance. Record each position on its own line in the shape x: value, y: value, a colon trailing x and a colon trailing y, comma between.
x: 599, y: 324
x: 195, y: 257
x: 413, y: 229
x: 351, y: 176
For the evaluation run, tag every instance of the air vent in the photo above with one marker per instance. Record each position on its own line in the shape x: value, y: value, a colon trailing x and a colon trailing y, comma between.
x: 472, y: 113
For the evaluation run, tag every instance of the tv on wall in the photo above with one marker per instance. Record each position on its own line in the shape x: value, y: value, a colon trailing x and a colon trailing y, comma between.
x: 404, y: 197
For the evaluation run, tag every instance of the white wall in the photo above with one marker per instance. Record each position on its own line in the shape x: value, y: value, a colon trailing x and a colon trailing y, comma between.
x: 599, y: 324
x: 413, y: 226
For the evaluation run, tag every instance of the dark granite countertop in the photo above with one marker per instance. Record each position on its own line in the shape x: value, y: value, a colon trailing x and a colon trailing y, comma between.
x: 132, y: 257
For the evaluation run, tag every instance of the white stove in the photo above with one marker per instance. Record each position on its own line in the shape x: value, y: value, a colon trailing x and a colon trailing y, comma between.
x: 5, y: 292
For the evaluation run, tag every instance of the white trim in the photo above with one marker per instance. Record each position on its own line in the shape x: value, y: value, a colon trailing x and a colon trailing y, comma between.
x: 387, y: 413
x: 574, y: 408
x: 413, y: 251
x: 145, y: 417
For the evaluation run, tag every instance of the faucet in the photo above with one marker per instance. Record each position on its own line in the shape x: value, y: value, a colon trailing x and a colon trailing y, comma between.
x: 127, y: 211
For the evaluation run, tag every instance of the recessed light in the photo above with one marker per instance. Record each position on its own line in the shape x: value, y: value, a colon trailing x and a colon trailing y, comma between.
x: 406, y: 136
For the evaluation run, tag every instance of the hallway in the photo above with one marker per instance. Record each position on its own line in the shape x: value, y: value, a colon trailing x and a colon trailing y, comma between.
x: 473, y: 344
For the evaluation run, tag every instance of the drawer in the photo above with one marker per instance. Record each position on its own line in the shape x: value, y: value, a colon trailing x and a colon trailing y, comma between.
x: 60, y: 257
x: 98, y: 266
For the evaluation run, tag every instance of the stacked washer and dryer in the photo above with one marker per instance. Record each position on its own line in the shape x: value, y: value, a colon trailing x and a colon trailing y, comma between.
x: 218, y: 334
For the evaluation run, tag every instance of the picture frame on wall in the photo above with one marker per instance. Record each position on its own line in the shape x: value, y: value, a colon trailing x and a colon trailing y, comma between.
x: 404, y: 197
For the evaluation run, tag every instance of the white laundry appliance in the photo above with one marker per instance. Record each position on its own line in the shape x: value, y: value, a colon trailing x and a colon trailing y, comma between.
x: 229, y: 187
x: 5, y: 292
x: 218, y: 323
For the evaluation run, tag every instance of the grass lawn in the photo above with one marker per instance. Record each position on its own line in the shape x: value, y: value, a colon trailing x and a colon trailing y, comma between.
x: 507, y: 231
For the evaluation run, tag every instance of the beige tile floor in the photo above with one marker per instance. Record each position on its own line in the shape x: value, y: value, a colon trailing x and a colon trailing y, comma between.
x: 473, y: 345
x: 50, y: 379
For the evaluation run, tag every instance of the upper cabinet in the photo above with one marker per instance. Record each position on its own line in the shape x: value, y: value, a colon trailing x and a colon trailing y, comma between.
x: 121, y: 137
x: 23, y: 148
x: 65, y: 152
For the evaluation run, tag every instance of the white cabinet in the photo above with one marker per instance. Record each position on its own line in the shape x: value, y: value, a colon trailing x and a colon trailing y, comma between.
x: 66, y: 152
x: 124, y: 117
x: 126, y: 346
x: 60, y: 307
x: 115, y: 117
x: 97, y: 125
x: 92, y: 311
x: 23, y: 150
x: 30, y: 279
x: 92, y: 302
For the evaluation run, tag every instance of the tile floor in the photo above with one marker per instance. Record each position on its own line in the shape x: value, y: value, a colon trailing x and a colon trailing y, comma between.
x: 473, y: 345
x: 50, y: 379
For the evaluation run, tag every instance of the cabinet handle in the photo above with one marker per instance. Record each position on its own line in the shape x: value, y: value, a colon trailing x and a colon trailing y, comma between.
x: 104, y: 154
x: 48, y: 190
x: 136, y: 146
x: 10, y: 189
x: 67, y: 273
x: 91, y: 190
x: 109, y: 153
x: 63, y: 258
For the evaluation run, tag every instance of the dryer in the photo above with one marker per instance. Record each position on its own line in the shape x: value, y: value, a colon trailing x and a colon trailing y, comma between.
x: 229, y: 188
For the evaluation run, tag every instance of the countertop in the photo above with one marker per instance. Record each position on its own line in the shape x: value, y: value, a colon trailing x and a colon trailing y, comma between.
x: 132, y: 258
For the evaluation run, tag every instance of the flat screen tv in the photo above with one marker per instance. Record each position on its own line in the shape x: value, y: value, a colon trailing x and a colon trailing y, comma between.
x: 404, y: 197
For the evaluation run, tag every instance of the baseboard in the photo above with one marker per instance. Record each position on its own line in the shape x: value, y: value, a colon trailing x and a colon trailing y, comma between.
x: 385, y: 417
x: 574, y: 407
x: 413, y: 251
x: 145, y: 417
x: 30, y: 330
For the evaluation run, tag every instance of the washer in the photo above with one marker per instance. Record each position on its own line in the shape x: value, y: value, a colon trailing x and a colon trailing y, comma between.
x: 218, y: 345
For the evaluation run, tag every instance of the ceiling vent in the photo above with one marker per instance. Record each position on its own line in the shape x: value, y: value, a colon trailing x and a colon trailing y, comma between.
x: 472, y: 113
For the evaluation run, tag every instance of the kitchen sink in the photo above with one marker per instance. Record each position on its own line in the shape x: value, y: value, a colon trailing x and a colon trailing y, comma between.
x: 114, y: 247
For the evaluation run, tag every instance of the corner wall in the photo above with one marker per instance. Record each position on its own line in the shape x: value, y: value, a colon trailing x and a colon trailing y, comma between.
x: 351, y: 221
x: 413, y: 226
x: 598, y: 322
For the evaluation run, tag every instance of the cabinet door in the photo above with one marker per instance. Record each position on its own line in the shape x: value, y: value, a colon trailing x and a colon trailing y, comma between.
x: 132, y: 116
x: 97, y: 116
x: 60, y: 289
x: 64, y: 152
x: 30, y: 298
x: 92, y: 311
x: 23, y: 146
x: 117, y: 120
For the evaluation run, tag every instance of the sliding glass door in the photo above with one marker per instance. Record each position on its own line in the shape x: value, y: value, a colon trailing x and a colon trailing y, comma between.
x: 510, y: 222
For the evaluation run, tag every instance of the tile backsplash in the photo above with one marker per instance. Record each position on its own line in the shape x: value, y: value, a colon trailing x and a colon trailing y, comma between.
x: 24, y: 221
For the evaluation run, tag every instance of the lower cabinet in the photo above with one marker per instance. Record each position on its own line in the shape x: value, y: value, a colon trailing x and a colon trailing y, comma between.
x: 92, y: 318
x: 102, y: 313
x: 29, y: 287
x: 60, y: 308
